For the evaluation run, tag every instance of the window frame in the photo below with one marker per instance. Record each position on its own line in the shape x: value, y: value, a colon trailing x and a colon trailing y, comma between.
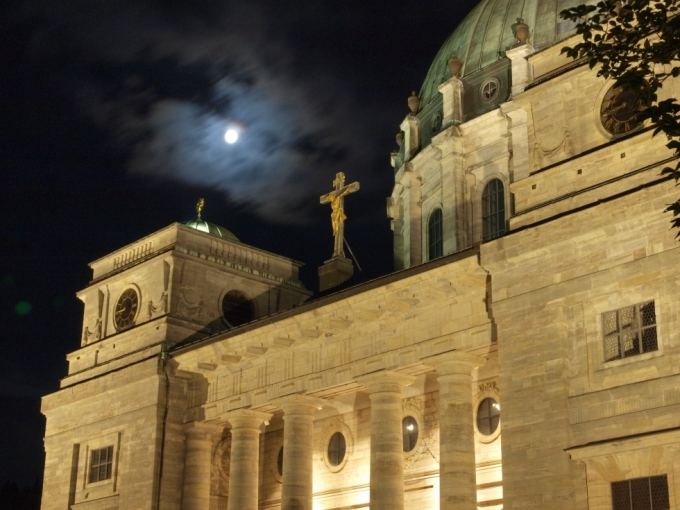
x: 436, y: 214
x: 621, y: 330
x: 107, y: 465
x: 664, y: 505
x: 492, y: 405
x: 329, y: 452
x: 499, y: 215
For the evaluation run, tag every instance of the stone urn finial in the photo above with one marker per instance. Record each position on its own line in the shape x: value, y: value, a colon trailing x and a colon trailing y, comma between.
x: 413, y: 103
x: 522, y: 32
x: 454, y: 65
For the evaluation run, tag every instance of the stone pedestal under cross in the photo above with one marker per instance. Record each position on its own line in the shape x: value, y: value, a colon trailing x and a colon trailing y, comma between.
x: 339, y: 268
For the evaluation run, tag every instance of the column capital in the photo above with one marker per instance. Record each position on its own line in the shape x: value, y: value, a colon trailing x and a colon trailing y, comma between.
x: 454, y: 362
x: 299, y: 404
x: 246, y: 418
x: 386, y: 380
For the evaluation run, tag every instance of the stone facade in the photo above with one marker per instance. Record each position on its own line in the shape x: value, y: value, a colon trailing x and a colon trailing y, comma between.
x: 198, y: 414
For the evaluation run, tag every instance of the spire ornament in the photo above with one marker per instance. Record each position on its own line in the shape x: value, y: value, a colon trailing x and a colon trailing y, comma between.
x: 199, y: 207
x: 455, y: 65
x: 522, y: 32
x: 413, y: 103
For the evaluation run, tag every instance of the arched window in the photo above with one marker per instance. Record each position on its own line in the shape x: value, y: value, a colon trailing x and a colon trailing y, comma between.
x: 493, y: 210
x: 435, y: 235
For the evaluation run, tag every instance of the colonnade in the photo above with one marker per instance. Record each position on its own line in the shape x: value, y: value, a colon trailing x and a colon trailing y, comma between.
x: 457, y: 480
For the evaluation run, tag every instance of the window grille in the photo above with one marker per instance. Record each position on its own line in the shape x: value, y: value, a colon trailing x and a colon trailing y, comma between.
x: 650, y: 493
x: 435, y: 230
x: 629, y: 331
x: 493, y: 210
x: 101, y: 462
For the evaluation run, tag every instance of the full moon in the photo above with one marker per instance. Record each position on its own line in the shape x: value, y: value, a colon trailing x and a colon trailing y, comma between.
x: 231, y: 136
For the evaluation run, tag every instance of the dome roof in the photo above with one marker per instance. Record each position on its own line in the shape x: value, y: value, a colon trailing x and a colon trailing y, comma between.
x: 489, y: 30
x: 211, y: 228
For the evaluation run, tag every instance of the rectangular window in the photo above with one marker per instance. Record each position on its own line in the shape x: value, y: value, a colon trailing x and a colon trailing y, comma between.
x: 629, y: 331
x: 649, y: 493
x: 101, y: 463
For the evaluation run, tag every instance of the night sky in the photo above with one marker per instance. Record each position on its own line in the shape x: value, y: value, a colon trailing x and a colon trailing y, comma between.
x: 112, y: 121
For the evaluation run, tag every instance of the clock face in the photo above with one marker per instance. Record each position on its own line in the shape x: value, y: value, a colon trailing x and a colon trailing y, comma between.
x: 126, y: 309
x: 619, y: 110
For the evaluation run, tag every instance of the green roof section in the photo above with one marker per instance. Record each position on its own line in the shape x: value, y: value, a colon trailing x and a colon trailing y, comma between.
x: 489, y: 30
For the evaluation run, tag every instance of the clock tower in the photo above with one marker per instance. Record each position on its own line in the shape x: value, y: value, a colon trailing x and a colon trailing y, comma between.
x: 182, y: 283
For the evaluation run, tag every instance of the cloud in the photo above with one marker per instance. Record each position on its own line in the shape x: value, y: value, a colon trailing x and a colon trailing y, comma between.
x: 167, y: 78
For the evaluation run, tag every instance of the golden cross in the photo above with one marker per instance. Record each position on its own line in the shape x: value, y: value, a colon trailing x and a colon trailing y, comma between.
x: 337, y: 200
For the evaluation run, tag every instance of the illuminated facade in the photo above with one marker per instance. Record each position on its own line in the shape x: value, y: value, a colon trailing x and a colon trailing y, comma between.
x: 524, y: 356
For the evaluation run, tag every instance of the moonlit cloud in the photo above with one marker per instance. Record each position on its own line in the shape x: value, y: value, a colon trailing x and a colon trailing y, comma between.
x: 167, y: 79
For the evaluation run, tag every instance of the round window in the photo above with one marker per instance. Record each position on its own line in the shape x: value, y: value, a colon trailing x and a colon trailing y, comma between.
x: 409, y: 428
x: 237, y: 308
x: 489, y: 89
x: 488, y: 416
x: 279, y: 461
x: 336, y: 449
x: 436, y: 124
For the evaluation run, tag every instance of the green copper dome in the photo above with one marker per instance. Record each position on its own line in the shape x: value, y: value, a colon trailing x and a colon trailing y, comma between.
x: 211, y: 228
x: 489, y: 30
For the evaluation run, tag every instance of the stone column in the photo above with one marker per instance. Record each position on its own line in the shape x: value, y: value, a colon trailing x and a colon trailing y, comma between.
x: 387, y: 447
x: 298, y: 450
x: 197, y: 453
x: 457, y: 468
x: 244, y: 462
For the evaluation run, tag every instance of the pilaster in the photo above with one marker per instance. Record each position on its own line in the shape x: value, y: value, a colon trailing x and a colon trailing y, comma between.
x: 522, y: 70
x: 452, y: 94
x: 411, y: 128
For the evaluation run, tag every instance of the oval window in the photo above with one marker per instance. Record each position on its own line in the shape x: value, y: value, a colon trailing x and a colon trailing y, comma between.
x: 237, y: 308
x: 488, y: 416
x: 409, y: 428
x: 279, y: 461
x: 336, y: 449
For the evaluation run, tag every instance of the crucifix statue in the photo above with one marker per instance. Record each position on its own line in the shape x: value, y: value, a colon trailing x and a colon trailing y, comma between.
x: 337, y: 200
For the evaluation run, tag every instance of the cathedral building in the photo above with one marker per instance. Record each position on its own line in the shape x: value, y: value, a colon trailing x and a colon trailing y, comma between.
x: 523, y: 355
